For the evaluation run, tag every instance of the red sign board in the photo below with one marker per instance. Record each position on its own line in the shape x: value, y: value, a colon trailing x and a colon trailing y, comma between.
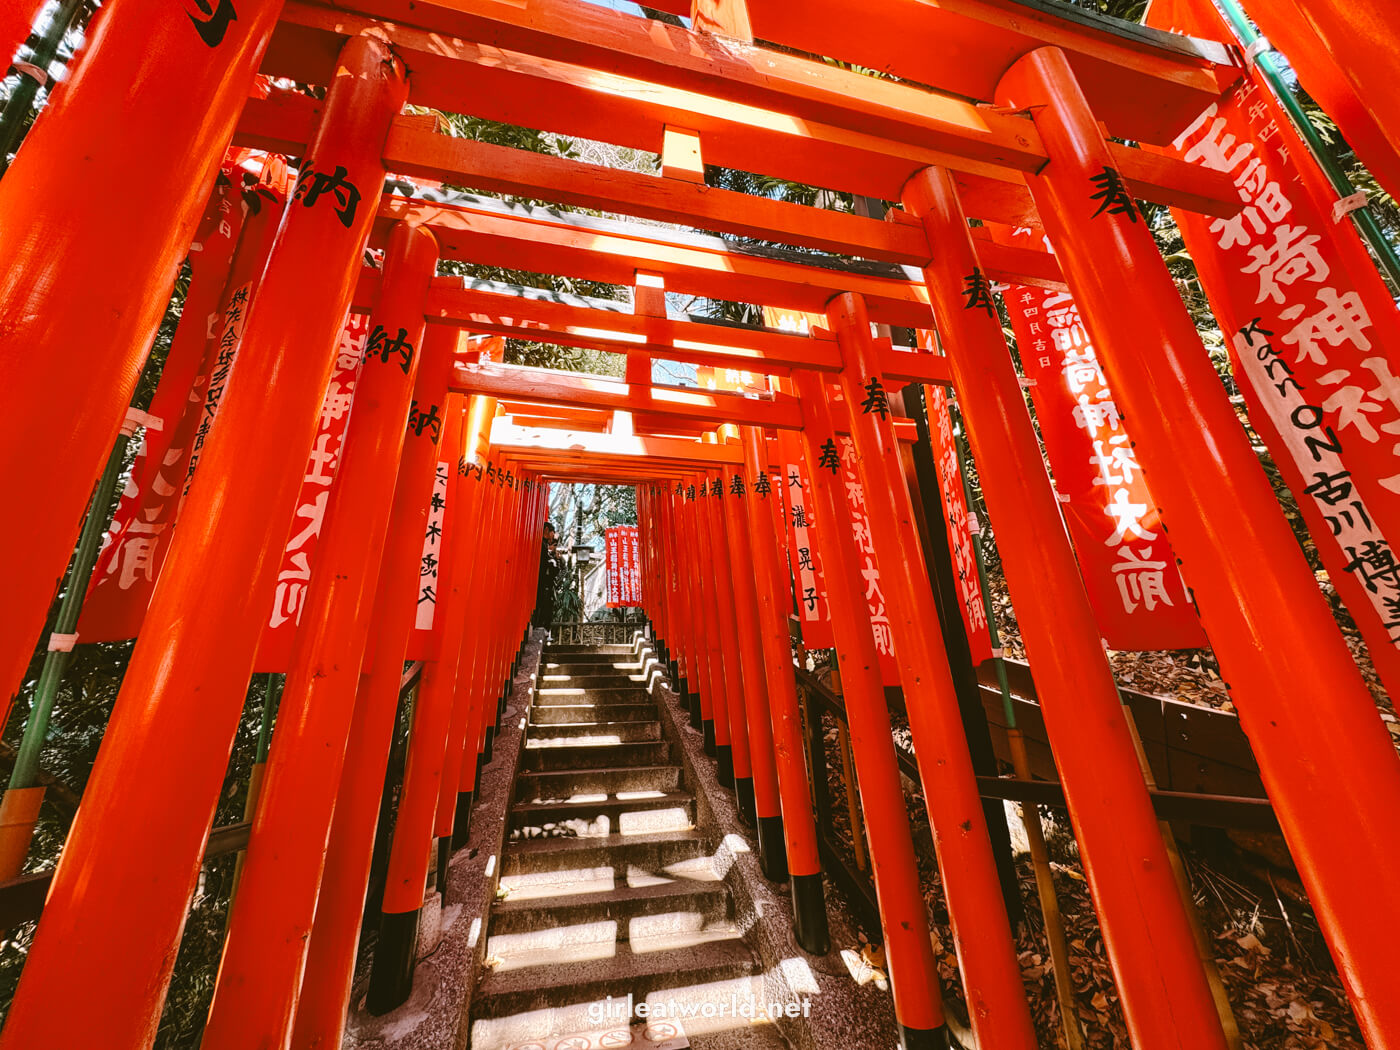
x: 1137, y: 594
x: 1312, y: 333
x: 960, y: 526
x: 624, y: 567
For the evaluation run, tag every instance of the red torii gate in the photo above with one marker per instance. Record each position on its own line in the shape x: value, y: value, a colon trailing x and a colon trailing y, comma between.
x: 1328, y: 764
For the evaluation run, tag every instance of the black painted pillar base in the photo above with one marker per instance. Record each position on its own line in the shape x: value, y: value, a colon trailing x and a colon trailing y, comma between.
x: 924, y: 1038
x: 476, y: 779
x: 391, y: 974
x: 490, y: 743
x: 724, y: 761
x: 444, y: 857
x: 692, y: 699
x: 772, y: 849
x: 708, y: 728
x: 462, y: 819
x: 744, y: 800
x: 809, y: 913
x: 675, y: 670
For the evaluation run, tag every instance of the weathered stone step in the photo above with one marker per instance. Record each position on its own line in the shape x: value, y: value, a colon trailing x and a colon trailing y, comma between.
x: 651, y: 853
x: 709, y: 900
x: 614, y: 666
x: 621, y: 693
x: 599, y: 939
x: 660, y: 811
x: 693, y: 970
x: 530, y: 786
x: 568, y: 665
x: 595, y: 756
x: 561, y: 735
x: 585, y: 713
x: 592, y: 681
x: 553, y: 651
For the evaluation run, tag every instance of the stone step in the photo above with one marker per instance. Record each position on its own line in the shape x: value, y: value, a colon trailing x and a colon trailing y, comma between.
x: 595, y: 756
x: 621, y: 693
x: 566, y: 784
x: 563, y: 734
x: 709, y: 900
x: 691, y: 971
x: 585, y: 713
x: 609, y: 664
x: 553, y: 651
x: 649, y: 852
x: 647, y: 811
x: 619, y: 680
x: 600, y: 940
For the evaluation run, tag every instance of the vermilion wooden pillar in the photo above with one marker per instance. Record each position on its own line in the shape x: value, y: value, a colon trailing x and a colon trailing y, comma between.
x: 453, y: 819
x: 681, y: 591
x: 701, y: 614
x: 16, y: 22
x: 476, y: 645
x: 758, y: 726
x: 260, y: 972
x: 1137, y: 899
x: 112, y: 927
x: 1364, y: 39
x: 330, y: 959
x: 1328, y: 764
x: 785, y: 717
x: 668, y: 565
x: 987, y: 956
x: 734, y: 693
x: 395, y: 953
x: 503, y: 634
x: 711, y: 632
x: 903, y: 913
x: 59, y: 235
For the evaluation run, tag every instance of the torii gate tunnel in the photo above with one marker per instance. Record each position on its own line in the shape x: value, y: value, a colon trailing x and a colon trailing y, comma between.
x: 1011, y: 113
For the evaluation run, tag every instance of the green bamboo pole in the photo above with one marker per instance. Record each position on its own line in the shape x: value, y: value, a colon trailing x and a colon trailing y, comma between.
x: 45, y: 52
x: 69, y: 607
x: 1365, y: 221
x: 20, y: 807
x: 273, y: 684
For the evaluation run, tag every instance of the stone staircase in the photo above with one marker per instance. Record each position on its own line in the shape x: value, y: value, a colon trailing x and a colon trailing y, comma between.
x: 607, y: 887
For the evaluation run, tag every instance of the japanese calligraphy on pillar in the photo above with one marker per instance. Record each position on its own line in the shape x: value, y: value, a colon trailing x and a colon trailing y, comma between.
x: 796, y: 506
x: 1139, y: 599
x: 294, y: 577
x: 134, y: 546
x: 865, y: 554
x: 741, y: 380
x: 960, y: 525
x: 432, y: 549
x: 813, y: 612
x: 1312, y: 334
x: 624, y: 569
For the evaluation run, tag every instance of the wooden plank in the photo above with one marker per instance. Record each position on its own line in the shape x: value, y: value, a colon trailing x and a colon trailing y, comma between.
x: 535, y: 384
x: 282, y: 123
x: 610, y: 252
x: 459, y: 76
x: 480, y: 307
x: 961, y: 47
x: 1146, y: 86
x: 511, y: 437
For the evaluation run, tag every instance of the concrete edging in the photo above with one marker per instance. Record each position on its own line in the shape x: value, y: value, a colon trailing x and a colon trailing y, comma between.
x: 437, y: 1014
